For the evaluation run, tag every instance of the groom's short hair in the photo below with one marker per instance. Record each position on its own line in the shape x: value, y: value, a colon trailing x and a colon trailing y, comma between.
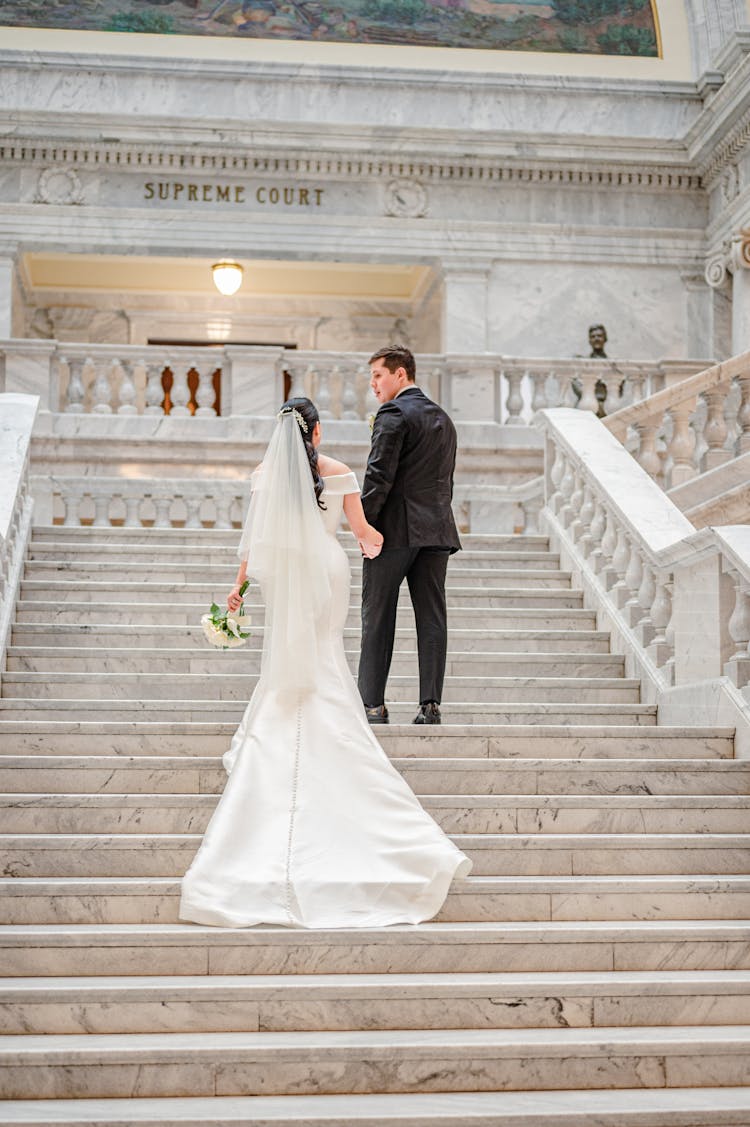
x: 394, y: 358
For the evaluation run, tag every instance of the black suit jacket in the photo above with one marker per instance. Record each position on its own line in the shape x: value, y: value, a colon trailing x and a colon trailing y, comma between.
x: 408, y: 485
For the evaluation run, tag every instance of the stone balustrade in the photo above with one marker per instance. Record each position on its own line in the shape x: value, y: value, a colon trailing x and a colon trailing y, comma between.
x: 104, y: 502
x: 17, y: 414
x: 127, y: 380
x: 675, y: 599
x: 103, y: 379
x: 693, y: 426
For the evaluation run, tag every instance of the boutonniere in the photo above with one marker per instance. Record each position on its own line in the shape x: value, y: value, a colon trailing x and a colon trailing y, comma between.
x: 371, y: 422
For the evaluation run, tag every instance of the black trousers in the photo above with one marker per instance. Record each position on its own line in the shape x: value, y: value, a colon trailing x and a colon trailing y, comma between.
x: 424, y: 570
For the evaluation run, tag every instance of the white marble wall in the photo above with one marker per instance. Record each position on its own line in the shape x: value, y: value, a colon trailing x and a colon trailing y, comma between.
x: 545, y: 309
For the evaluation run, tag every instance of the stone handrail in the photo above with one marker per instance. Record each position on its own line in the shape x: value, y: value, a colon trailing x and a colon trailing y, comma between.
x: 105, y: 502
x: 17, y: 414
x: 693, y: 426
x: 122, y: 380
x: 675, y: 599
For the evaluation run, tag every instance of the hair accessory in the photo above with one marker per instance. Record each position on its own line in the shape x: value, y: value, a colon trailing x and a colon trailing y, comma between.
x: 298, y: 417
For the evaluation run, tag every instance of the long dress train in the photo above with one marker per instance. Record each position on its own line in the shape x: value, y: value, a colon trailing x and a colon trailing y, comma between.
x: 315, y: 827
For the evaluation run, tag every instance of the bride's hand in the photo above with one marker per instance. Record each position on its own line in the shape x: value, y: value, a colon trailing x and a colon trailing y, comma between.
x: 371, y: 544
x: 234, y: 599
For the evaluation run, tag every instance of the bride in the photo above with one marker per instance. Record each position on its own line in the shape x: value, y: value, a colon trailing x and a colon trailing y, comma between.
x: 315, y: 827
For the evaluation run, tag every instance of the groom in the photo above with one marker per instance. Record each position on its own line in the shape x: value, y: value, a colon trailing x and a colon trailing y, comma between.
x: 406, y: 495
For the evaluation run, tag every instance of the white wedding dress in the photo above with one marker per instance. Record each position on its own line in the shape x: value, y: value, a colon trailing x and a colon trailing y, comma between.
x: 315, y: 827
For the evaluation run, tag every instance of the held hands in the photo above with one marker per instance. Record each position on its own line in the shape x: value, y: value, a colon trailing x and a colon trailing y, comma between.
x: 371, y: 543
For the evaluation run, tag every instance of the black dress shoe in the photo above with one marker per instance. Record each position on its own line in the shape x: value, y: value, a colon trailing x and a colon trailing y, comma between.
x: 428, y: 714
x: 377, y: 715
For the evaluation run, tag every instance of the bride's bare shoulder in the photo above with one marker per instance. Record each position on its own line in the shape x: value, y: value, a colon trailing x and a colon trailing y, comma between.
x: 329, y: 467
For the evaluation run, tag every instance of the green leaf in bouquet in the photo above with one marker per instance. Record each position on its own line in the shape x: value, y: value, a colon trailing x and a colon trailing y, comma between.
x: 214, y: 610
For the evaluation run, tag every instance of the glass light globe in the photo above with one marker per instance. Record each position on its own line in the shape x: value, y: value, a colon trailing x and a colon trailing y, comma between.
x: 227, y: 277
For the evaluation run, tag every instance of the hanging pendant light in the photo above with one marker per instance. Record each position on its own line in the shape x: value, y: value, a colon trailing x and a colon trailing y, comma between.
x: 227, y: 276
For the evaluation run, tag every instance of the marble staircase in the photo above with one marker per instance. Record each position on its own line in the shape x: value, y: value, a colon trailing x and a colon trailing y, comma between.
x: 593, y: 969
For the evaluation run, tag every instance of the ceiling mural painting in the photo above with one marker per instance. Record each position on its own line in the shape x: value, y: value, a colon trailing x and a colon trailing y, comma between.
x: 600, y: 27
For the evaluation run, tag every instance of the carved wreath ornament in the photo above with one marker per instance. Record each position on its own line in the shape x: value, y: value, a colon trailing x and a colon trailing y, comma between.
x: 406, y: 199
x: 59, y: 186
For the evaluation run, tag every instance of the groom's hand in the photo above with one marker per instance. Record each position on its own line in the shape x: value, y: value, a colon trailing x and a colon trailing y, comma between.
x: 371, y: 545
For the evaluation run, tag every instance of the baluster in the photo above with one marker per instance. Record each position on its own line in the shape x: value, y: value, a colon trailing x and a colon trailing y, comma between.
x: 555, y: 477
x: 743, y: 414
x: 324, y: 397
x: 127, y: 390
x: 538, y: 391
x: 162, y: 509
x: 193, y: 511
x: 180, y: 393
x: 620, y: 561
x: 514, y: 401
x: 566, y: 489
x: 593, y: 539
x: 588, y: 400
x: 154, y: 390
x: 682, y: 445
x: 362, y: 388
x: 715, y: 430
x: 585, y: 520
x: 75, y: 391
x: 582, y: 502
x: 568, y: 397
x: 132, y: 510
x: 633, y: 579
x: 101, y: 509
x: 646, y: 596
x: 71, y: 500
x: 570, y: 512
x: 102, y: 389
x: 223, y: 510
x: 205, y: 394
x: 609, y: 543
x: 349, y: 397
x: 661, y: 645
x: 738, y: 666
x: 296, y: 389
x: 310, y: 382
x: 336, y: 391
x: 648, y: 456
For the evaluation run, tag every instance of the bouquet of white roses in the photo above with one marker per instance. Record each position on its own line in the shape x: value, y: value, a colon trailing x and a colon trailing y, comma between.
x: 224, y: 629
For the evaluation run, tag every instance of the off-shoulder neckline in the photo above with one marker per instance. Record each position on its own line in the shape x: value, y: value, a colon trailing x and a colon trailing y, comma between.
x: 331, y: 476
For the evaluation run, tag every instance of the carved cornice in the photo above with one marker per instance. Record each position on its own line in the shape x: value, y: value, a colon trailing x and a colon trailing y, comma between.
x: 726, y: 151
x: 468, y: 171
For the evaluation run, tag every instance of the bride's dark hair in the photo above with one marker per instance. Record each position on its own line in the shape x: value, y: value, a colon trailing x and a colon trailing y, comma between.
x: 309, y: 413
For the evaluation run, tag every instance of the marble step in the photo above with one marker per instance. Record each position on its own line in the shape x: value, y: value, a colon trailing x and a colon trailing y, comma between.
x: 221, y: 576
x: 288, y: 1003
x: 487, y: 774
x: 539, y: 854
x: 152, y: 900
x: 28, y: 709
x: 199, y: 660
x: 177, y: 594
x: 436, y: 1060
x: 210, y: 537
x: 130, y: 636
x: 661, y: 944
x: 626, y: 1107
x: 146, y: 615
x: 60, y: 738
x: 122, y: 812
x: 219, y: 556
x: 231, y: 686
